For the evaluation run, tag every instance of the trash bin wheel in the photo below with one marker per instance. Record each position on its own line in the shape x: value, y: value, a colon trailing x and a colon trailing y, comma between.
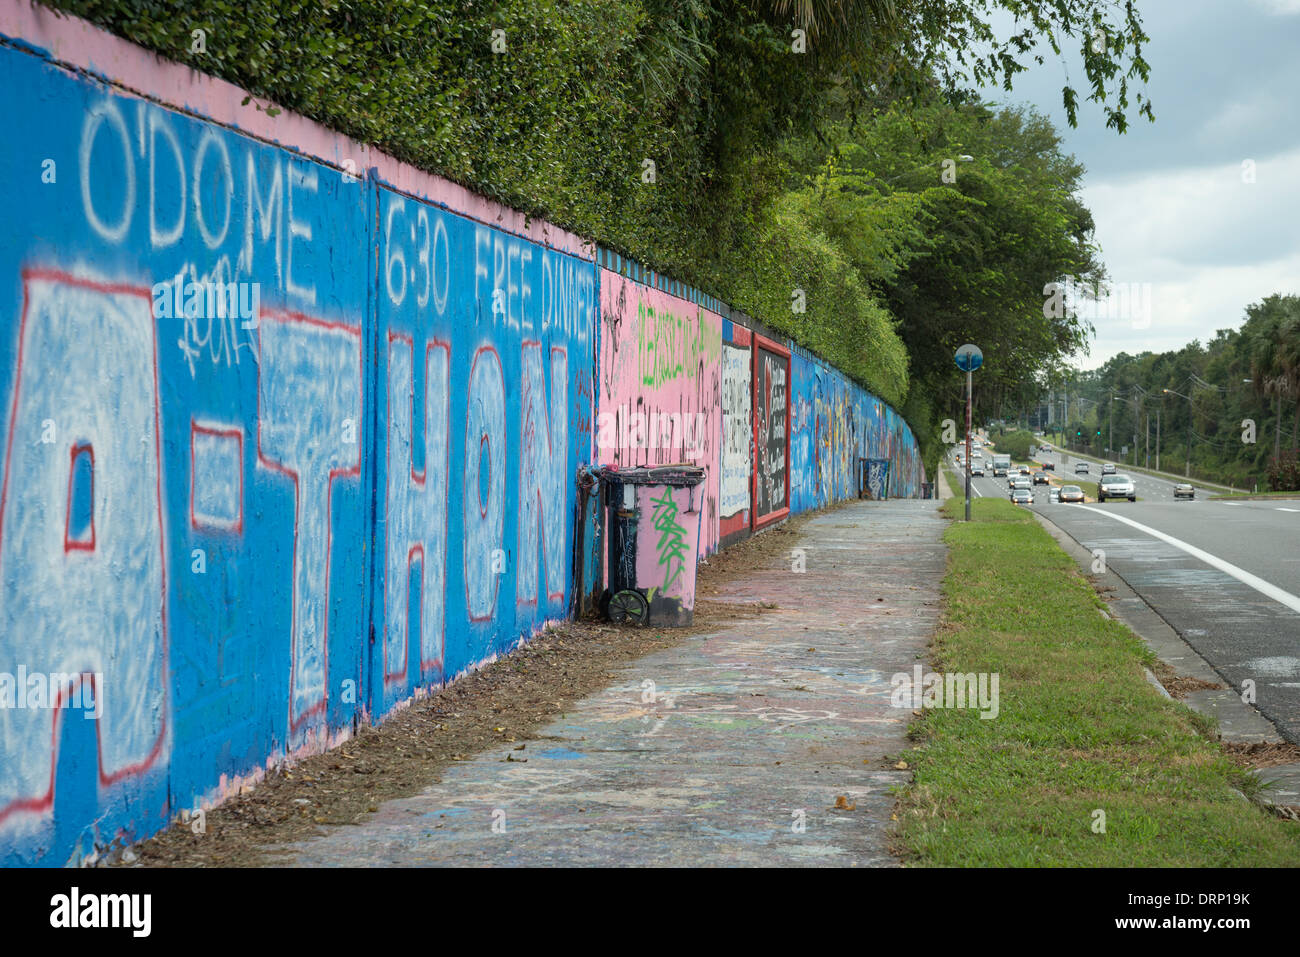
x: 628, y: 606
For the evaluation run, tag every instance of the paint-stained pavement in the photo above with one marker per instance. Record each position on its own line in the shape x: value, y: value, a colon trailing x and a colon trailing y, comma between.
x: 739, y: 732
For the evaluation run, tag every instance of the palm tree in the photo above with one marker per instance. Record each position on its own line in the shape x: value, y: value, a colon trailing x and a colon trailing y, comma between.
x: 1288, y: 359
x: 1273, y: 328
x: 838, y: 25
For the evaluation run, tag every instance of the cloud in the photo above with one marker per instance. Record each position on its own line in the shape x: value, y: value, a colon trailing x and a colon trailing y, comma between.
x: 1203, y: 242
x: 1279, y: 7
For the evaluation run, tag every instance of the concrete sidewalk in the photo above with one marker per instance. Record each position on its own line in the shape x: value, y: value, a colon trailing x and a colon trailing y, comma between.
x: 729, y: 749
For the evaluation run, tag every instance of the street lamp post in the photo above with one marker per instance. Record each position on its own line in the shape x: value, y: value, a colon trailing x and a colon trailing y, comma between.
x: 968, y: 359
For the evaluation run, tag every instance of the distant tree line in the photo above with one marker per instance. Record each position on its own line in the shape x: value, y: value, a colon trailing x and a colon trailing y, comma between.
x: 1229, y: 407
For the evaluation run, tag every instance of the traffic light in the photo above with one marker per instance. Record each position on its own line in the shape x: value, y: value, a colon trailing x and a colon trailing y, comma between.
x: 1079, y: 433
x: 1099, y: 433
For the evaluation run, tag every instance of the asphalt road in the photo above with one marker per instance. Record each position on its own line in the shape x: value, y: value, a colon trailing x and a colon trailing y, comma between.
x: 1224, y: 574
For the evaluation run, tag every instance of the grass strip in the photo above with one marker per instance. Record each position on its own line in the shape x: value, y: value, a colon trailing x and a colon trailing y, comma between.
x: 1078, y: 730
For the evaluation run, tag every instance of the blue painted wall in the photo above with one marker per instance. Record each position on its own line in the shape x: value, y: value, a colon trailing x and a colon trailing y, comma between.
x: 489, y: 350
x: 259, y: 497
x: 234, y: 537
x: 834, y: 422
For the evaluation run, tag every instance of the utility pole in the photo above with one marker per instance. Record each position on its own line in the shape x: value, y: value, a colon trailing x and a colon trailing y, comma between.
x: 1147, y: 460
x: 1110, y: 428
x: 1277, y: 438
x: 1157, y: 439
x: 1188, y: 397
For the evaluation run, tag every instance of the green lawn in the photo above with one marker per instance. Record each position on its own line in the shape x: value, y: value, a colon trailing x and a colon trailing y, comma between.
x: 1078, y: 730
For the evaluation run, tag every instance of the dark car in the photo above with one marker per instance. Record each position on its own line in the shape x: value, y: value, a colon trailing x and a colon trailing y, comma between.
x: 1071, y: 493
x: 1040, y: 478
x: 1184, y: 490
x: 1049, y: 466
x: 1024, y: 470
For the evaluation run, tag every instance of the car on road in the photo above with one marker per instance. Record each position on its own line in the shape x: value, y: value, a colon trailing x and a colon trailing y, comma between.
x: 1022, y: 496
x: 1081, y: 468
x: 1021, y: 483
x: 1116, y: 486
x: 1071, y: 493
x: 1053, y: 494
x: 1040, y: 478
x: 1024, y: 470
x: 1108, y: 468
x: 977, y: 469
x: 1049, y: 466
x: 1184, y: 490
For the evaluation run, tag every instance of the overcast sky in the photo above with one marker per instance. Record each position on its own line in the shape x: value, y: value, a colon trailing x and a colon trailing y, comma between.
x: 1169, y: 198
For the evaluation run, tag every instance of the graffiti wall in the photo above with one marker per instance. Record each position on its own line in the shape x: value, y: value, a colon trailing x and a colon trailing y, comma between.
x: 834, y: 424
x: 771, y: 380
x: 735, y: 496
x: 484, y: 373
x: 255, y: 409
x: 660, y: 384
x: 291, y: 433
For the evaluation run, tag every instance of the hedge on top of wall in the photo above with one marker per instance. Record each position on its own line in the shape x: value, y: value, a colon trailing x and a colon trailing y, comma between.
x: 558, y: 109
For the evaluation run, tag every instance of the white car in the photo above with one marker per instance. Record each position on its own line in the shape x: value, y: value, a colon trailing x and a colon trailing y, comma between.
x: 1116, y: 486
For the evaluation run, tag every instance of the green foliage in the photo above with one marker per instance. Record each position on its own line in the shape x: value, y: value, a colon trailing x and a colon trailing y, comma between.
x: 956, y: 216
x: 787, y: 255
x: 1016, y: 444
x: 765, y: 181
x: 1213, y: 390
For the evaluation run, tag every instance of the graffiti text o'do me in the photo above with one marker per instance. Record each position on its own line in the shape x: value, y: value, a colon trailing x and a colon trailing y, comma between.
x: 210, y: 139
x: 485, y: 427
x: 440, y: 299
x: 106, y: 111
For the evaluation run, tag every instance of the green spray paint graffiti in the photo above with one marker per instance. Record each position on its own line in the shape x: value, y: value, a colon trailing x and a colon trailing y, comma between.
x: 672, y: 346
x: 673, y: 548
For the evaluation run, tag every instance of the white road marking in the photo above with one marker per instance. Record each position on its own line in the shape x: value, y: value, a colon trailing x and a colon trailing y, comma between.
x: 1264, y: 588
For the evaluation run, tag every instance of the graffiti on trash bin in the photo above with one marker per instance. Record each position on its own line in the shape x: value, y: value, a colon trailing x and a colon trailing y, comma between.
x: 671, y: 549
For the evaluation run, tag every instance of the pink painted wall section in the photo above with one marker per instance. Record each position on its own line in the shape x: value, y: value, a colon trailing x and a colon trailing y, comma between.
x: 76, y: 43
x: 660, y: 384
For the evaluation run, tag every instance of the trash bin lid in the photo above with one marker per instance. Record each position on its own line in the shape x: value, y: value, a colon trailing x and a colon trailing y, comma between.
x: 678, y: 475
